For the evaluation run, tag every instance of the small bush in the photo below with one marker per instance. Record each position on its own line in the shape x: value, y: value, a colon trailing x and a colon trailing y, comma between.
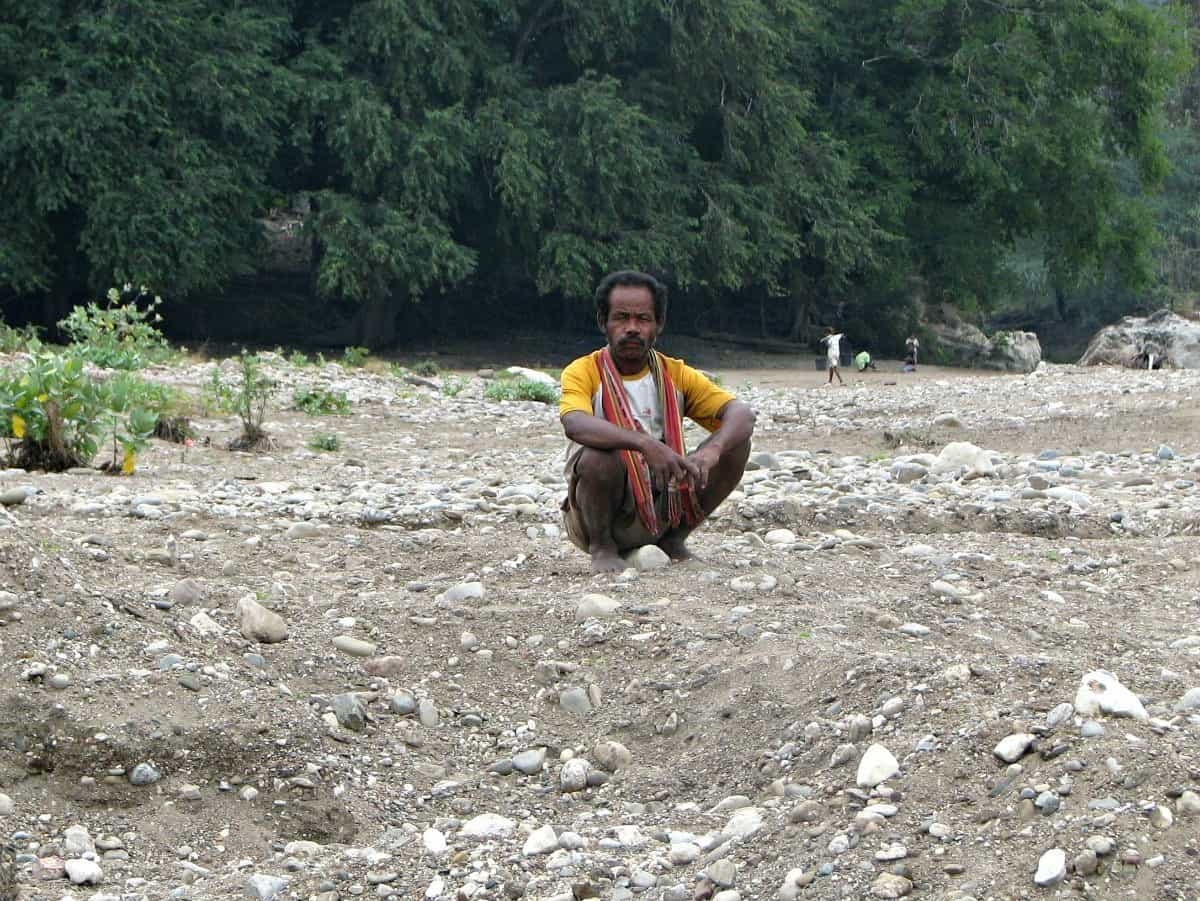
x: 452, y: 386
x: 13, y: 339
x: 319, y: 402
x: 53, y: 416
x: 325, y: 442
x: 120, y: 335
x: 296, y: 358
x: 248, y: 399
x: 355, y: 356
x: 427, y: 368
x: 521, y: 389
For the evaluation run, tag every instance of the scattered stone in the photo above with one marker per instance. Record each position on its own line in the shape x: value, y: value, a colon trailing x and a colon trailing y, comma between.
x: 488, y: 825
x: 648, y: 557
x: 1051, y: 869
x: 889, y: 885
x: 1101, y: 692
x: 877, y: 765
x: 260, y: 624
x: 1014, y: 747
x: 596, y: 606
x: 84, y: 872
x: 354, y: 647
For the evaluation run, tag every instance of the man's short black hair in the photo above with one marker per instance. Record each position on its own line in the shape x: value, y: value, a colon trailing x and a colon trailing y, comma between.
x: 630, y: 278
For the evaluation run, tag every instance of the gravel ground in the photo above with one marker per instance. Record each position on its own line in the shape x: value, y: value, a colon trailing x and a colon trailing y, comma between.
x: 943, y: 642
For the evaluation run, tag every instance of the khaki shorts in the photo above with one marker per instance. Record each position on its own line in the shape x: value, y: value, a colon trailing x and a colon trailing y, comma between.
x: 628, y: 531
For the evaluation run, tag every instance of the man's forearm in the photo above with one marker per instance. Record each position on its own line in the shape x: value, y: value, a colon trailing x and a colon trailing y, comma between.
x: 592, y: 431
x: 737, y: 425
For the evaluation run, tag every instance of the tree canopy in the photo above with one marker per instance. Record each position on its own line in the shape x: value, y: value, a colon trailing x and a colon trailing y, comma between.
x: 778, y: 156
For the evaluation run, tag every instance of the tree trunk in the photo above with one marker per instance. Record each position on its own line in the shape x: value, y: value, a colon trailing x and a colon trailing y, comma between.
x: 377, y: 323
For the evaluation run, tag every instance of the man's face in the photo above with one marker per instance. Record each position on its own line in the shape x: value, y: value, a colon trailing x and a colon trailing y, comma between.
x: 631, y: 328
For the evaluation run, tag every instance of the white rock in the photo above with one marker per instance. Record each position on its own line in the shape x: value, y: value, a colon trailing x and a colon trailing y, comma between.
x: 434, y: 841
x: 744, y: 823
x: 1013, y: 748
x: 540, y: 841
x: 877, y: 765
x: 780, y: 536
x: 6, y: 805
x: 467, y: 591
x: 648, y: 557
x: 533, y: 375
x: 84, y: 872
x: 488, y: 825
x: 683, y: 853
x: 77, y: 841
x: 596, y: 606
x: 965, y: 456
x: 1101, y: 692
x: 304, y: 530
x: 1190, y: 701
x: 1052, y: 868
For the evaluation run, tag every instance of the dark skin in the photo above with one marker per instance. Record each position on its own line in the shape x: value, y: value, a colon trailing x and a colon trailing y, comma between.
x: 714, y: 468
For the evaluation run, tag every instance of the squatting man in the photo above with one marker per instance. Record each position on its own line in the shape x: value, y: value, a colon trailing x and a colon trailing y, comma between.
x: 630, y: 480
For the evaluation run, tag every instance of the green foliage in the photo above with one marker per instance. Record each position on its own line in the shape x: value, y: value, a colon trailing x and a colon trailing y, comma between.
x: 14, y: 339
x: 54, y: 416
x: 120, y: 335
x: 299, y: 359
x: 355, y: 356
x: 521, y: 388
x: 325, y: 442
x: 321, y: 402
x: 248, y: 398
x: 762, y: 152
x: 452, y: 385
x: 427, y: 368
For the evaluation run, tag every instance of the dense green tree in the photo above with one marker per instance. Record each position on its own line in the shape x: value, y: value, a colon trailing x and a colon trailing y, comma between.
x: 135, y: 140
x: 796, y: 159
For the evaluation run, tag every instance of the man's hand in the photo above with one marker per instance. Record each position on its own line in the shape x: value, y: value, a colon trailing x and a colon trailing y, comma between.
x: 703, y: 459
x: 666, y: 466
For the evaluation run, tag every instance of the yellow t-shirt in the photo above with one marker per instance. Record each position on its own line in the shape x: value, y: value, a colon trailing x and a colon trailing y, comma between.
x: 699, y: 399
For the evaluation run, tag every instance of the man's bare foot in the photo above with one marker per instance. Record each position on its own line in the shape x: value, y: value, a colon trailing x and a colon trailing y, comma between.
x: 676, y: 549
x: 607, y: 560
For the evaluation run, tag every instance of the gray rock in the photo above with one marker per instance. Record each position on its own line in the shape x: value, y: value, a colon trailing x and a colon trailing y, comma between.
x: 6, y: 805
x: 144, y: 774
x: 260, y: 624
x: 350, y: 711
x: 1187, y: 805
x: 722, y: 873
x: 13, y: 497
x: 304, y: 530
x: 889, y: 885
x: 575, y: 700
x: 1173, y: 340
x: 427, y: 713
x: 186, y: 592
x: 573, y: 776
x: 466, y: 591
x: 265, y: 888
x: 1059, y: 715
x: 354, y: 647
x: 611, y: 756
x: 530, y: 762
x: 403, y: 703
x: 1190, y: 701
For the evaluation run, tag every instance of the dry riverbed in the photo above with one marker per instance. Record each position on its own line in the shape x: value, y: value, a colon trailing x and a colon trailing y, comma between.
x: 944, y: 641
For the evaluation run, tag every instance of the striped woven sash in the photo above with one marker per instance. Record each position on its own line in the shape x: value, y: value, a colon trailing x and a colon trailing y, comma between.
x: 682, y: 503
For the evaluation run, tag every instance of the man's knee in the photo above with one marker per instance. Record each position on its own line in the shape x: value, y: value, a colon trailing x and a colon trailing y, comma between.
x: 735, y: 457
x: 600, y: 466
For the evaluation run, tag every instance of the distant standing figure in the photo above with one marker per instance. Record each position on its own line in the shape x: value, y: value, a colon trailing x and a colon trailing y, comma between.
x: 833, y: 354
x: 863, y: 361
x: 911, y: 348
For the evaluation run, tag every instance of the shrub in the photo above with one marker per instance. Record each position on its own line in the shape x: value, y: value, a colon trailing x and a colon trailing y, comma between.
x: 427, y: 368
x: 121, y: 335
x: 13, y: 339
x: 452, y: 386
x: 319, y: 402
x: 521, y: 388
x: 296, y: 358
x: 248, y: 399
x: 53, y: 416
x: 355, y: 356
x: 325, y: 442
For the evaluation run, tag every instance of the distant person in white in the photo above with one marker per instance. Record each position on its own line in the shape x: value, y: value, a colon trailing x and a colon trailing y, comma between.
x: 911, y: 348
x: 833, y: 354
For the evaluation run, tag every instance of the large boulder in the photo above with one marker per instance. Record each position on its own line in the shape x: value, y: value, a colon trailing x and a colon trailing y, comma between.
x: 962, y: 344
x: 1162, y: 339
